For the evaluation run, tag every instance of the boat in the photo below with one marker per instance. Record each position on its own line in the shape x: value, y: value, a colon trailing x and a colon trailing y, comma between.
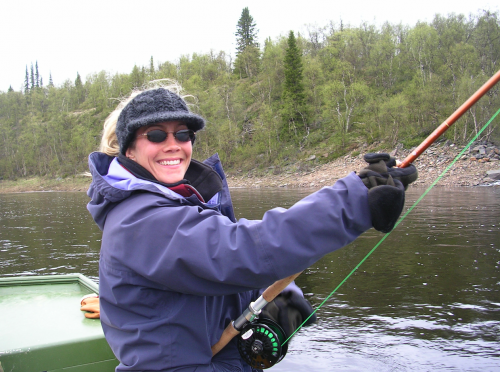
x: 43, y: 329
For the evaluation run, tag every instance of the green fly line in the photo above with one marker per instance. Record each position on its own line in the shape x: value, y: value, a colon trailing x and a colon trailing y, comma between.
x: 397, y: 223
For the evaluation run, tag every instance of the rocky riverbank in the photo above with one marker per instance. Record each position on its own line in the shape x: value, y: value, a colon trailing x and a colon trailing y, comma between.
x: 478, y: 166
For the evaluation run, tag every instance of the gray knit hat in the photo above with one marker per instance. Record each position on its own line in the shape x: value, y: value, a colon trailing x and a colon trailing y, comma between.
x: 150, y: 107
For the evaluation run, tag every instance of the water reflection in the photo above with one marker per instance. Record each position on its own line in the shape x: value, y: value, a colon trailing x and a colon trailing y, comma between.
x: 426, y: 300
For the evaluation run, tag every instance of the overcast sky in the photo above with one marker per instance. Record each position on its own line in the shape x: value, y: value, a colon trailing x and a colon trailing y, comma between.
x: 70, y: 36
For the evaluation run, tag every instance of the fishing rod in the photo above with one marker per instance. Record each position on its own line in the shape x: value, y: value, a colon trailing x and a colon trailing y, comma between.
x: 451, y: 120
x: 263, y: 342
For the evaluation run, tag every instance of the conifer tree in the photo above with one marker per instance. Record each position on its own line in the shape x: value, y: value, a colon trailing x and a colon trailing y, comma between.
x: 151, y: 67
x: 37, y: 75
x: 246, y: 34
x: 32, y: 77
x: 293, y: 70
x: 26, y: 82
x: 78, y: 81
x: 294, y: 103
x: 80, y: 94
x: 247, y: 47
x: 51, y: 83
x: 10, y: 89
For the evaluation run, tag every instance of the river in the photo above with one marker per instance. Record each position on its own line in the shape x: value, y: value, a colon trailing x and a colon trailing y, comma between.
x: 427, y: 299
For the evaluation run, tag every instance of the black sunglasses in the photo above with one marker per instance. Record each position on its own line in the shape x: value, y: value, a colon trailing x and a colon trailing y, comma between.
x: 158, y: 135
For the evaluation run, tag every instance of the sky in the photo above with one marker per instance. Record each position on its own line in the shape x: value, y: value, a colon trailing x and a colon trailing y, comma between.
x: 88, y: 36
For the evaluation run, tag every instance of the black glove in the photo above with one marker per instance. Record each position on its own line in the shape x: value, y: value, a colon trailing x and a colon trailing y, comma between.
x: 386, y: 185
x: 289, y: 309
x: 384, y: 164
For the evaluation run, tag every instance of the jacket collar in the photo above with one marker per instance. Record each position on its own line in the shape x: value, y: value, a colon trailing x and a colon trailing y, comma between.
x: 200, y: 178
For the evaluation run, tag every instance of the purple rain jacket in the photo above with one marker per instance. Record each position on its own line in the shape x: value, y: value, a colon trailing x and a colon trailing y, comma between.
x: 174, y: 271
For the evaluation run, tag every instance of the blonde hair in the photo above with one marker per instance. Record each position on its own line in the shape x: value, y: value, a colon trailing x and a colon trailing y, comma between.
x: 109, y: 142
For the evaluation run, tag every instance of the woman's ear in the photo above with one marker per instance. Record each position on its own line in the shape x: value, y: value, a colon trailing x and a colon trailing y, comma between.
x: 130, y: 153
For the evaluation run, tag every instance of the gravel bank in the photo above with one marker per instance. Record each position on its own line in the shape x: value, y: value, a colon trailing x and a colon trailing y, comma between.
x: 470, y: 170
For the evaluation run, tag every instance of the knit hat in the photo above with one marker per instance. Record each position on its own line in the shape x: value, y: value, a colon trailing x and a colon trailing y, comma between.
x: 150, y: 107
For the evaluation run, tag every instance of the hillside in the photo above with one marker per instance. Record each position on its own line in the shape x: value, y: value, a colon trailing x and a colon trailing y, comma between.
x: 322, y: 94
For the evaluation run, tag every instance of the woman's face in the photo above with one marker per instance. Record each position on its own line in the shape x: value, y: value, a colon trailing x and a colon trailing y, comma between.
x: 167, y: 161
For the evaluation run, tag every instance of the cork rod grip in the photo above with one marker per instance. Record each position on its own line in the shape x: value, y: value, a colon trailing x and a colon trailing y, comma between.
x: 229, y: 333
x: 275, y: 289
x: 269, y: 294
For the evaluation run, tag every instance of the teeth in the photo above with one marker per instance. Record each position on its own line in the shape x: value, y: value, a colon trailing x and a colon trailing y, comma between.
x: 170, y: 162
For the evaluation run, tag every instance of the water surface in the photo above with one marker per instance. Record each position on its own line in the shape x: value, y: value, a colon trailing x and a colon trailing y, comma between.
x: 427, y: 299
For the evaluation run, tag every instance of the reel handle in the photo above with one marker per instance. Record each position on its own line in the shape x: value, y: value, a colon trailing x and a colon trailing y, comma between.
x: 269, y: 294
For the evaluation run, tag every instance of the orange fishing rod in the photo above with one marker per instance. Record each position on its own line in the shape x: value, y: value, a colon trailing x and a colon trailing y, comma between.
x: 450, y: 121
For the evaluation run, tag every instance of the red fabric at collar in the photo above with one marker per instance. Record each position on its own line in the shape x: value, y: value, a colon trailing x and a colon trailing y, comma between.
x: 186, y: 191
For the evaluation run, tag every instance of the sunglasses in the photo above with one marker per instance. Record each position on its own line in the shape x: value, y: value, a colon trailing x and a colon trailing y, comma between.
x: 158, y: 135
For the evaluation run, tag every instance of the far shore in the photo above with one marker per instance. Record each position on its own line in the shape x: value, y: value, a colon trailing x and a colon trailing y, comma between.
x: 41, y: 184
x: 467, y: 171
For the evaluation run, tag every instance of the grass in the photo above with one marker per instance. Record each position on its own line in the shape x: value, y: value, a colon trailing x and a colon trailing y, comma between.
x: 30, y: 184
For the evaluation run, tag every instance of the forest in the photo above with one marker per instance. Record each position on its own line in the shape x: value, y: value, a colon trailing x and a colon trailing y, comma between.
x: 326, y: 91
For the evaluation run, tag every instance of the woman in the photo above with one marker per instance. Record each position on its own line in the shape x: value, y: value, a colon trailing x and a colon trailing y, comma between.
x: 176, y: 267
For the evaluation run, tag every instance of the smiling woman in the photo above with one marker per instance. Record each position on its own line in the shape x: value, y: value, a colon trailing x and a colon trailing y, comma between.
x: 176, y: 267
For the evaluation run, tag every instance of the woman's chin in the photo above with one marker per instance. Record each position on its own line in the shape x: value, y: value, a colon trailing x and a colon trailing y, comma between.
x: 170, y: 178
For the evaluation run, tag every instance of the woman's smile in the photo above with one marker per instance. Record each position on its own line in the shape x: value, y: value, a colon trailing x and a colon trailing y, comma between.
x: 170, y: 162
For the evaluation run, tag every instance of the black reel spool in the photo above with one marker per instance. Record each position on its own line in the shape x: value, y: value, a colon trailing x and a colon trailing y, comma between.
x: 259, y: 343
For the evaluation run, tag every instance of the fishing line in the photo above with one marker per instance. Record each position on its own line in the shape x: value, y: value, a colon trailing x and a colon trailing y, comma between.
x: 397, y: 223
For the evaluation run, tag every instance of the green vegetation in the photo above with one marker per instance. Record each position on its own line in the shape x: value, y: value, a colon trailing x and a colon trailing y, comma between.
x: 247, y: 61
x: 294, y: 107
x: 325, y: 92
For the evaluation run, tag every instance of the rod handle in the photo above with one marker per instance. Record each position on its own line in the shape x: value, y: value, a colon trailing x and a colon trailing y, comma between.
x: 269, y: 294
x: 277, y: 287
x: 229, y: 333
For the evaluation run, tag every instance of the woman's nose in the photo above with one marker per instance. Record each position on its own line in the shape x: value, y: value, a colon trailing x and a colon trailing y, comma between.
x: 170, y: 142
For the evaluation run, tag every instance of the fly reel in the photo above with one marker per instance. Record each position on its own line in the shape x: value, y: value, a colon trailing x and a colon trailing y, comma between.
x: 260, y: 343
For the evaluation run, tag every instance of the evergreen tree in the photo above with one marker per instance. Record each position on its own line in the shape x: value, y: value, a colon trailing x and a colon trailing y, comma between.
x: 10, y: 89
x: 246, y: 34
x: 247, y: 48
x: 32, y: 76
x: 26, y: 82
x: 80, y: 93
x: 51, y: 83
x: 151, y: 67
x: 37, y: 75
x: 78, y: 81
x: 294, y: 103
x: 293, y: 70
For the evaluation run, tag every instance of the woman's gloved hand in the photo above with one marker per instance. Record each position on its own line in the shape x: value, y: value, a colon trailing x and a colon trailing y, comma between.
x: 386, y: 189
x: 90, y: 304
x: 289, y: 309
x: 381, y: 166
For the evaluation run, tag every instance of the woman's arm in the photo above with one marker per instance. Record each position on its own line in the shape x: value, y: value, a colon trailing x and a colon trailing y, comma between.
x: 189, y: 250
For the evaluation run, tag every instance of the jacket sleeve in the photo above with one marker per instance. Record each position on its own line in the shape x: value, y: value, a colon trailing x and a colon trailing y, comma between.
x: 194, y: 251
